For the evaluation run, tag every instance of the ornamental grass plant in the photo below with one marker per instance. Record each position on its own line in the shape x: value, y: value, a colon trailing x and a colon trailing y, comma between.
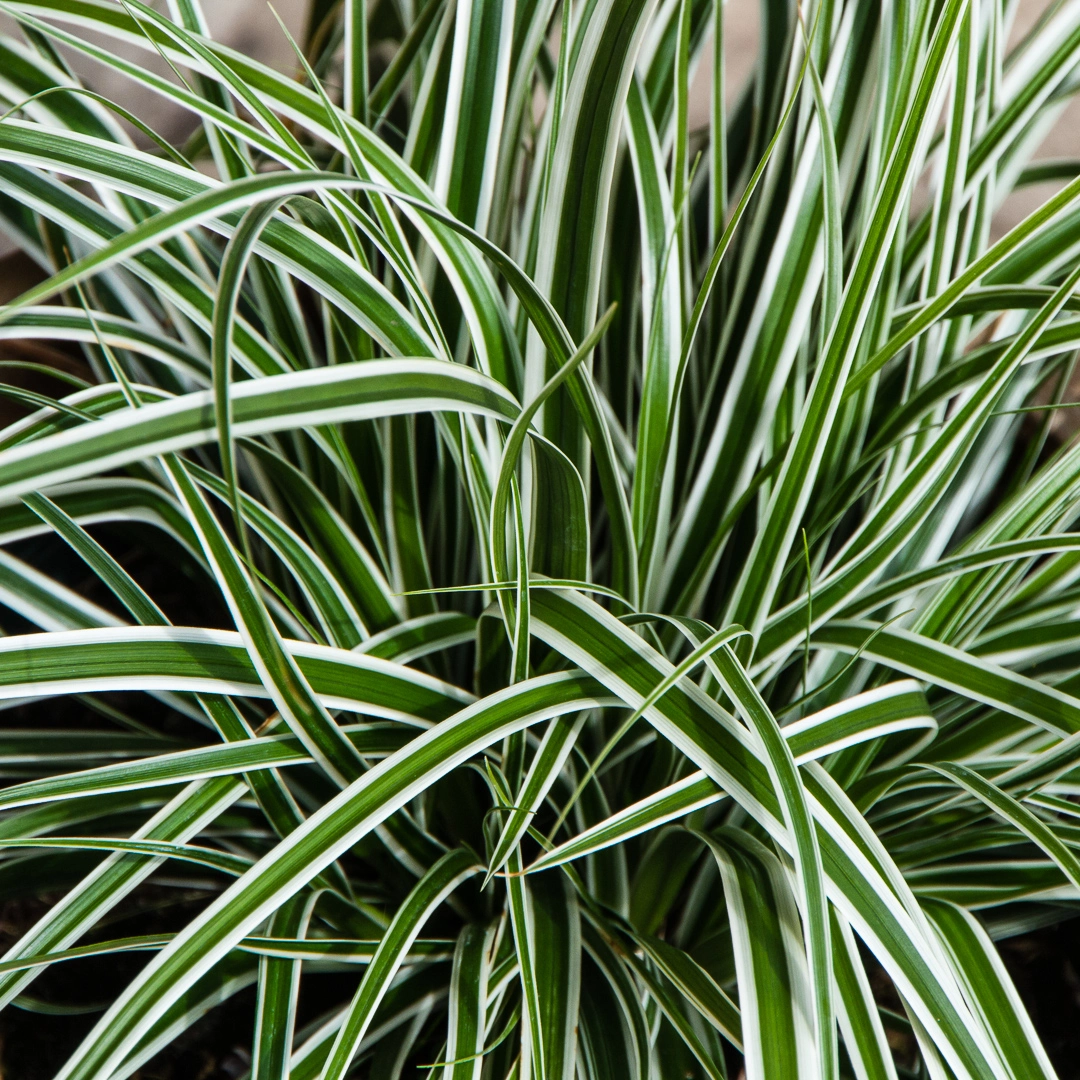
x: 498, y: 583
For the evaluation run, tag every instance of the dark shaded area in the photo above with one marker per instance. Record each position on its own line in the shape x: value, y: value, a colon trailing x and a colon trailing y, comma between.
x: 63, y: 1002
x: 35, y: 1046
x: 1045, y: 965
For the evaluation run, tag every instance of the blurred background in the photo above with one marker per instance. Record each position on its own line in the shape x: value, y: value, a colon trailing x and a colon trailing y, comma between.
x: 250, y: 27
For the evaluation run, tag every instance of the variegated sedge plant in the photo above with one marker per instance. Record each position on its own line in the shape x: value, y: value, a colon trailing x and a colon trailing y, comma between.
x: 651, y: 608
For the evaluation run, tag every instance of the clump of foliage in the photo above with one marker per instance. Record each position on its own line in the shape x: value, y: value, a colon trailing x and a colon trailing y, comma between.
x: 597, y: 602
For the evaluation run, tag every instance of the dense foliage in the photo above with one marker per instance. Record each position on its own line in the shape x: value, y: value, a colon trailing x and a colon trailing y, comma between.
x: 499, y: 581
